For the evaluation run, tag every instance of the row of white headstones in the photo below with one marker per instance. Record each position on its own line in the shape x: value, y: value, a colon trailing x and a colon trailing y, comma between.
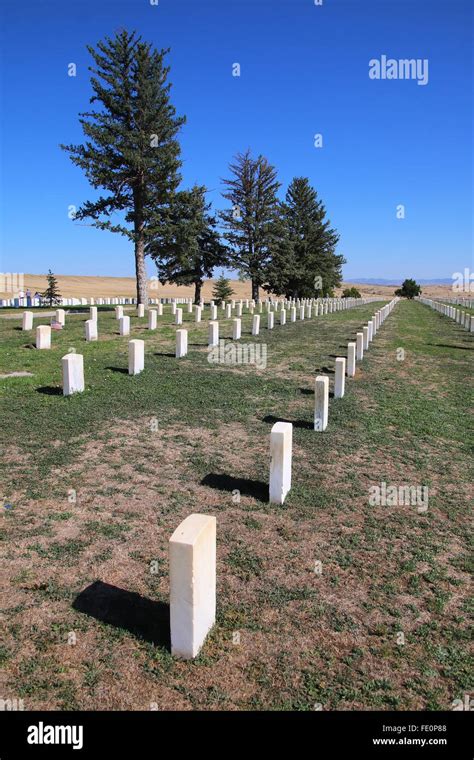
x: 463, y: 318
x: 192, y: 550
x: 192, y: 547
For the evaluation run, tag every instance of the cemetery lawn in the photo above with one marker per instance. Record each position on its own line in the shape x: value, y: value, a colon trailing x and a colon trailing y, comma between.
x: 95, y: 484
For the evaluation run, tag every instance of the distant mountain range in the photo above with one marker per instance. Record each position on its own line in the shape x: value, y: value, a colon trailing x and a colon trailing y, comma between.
x: 382, y: 281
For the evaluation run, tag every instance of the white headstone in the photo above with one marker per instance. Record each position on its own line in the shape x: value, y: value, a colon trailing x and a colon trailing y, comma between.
x: 90, y: 326
x: 60, y: 316
x: 282, y: 317
x: 281, y: 442
x: 118, y: 312
x: 270, y: 320
x: 141, y: 310
x: 27, y: 323
x: 351, y: 359
x: 321, y: 403
x: 181, y: 343
x: 213, y: 313
x: 43, y: 336
x: 197, y: 314
x: 73, y: 374
x: 236, y: 329
x: 365, y: 331
x: 256, y: 324
x: 340, y: 377
x: 213, y: 339
x: 124, y: 325
x: 359, y: 346
x: 228, y: 311
x: 152, y: 319
x: 136, y: 356
x: 178, y: 319
x: 192, y: 563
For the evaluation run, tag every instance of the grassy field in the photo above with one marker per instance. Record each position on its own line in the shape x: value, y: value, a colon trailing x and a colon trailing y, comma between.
x: 96, y: 483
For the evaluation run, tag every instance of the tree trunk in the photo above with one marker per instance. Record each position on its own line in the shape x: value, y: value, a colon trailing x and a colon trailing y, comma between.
x: 197, y: 291
x: 255, y: 291
x: 140, y: 272
x: 140, y: 269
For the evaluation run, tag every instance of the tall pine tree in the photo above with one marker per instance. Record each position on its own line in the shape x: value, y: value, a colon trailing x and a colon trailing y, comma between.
x: 252, y: 224
x: 305, y: 262
x: 131, y: 149
x: 188, y: 247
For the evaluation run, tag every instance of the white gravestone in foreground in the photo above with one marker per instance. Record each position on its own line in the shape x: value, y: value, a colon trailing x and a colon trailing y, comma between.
x: 136, y: 356
x: 152, y: 319
x: 213, y: 339
x: 236, y: 329
x: 281, y: 442
x: 359, y: 346
x: 192, y: 562
x: 340, y: 377
x: 124, y: 325
x: 181, y: 343
x: 91, y: 329
x: 43, y: 336
x: 365, y: 331
x: 141, y: 310
x: 351, y: 359
x: 178, y: 319
x: 321, y: 403
x: 256, y: 324
x: 73, y: 374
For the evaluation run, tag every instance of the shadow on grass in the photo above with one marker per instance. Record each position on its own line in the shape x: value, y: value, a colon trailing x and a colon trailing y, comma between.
x: 270, y: 419
x: 122, y: 370
x: 162, y: 353
x: 50, y: 390
x: 306, y: 391
x: 132, y: 612
x: 221, y: 482
x: 448, y: 345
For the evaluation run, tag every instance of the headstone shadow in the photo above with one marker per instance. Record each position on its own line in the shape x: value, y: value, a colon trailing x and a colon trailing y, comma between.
x: 144, y: 618
x: 270, y: 419
x: 221, y: 482
x: 50, y: 390
x: 122, y: 370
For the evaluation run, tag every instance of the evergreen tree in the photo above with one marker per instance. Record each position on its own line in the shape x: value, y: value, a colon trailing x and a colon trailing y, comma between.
x: 305, y: 263
x: 252, y: 224
x: 222, y: 289
x: 409, y: 289
x: 351, y: 293
x: 51, y: 294
x: 131, y: 149
x: 188, y: 247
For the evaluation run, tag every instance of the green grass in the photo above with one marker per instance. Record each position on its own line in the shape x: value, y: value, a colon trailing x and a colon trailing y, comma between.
x: 305, y: 638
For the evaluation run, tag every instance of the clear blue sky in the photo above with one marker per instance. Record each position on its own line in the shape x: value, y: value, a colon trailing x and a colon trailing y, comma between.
x: 304, y: 70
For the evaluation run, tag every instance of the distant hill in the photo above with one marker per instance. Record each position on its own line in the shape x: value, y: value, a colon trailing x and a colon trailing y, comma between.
x: 382, y: 281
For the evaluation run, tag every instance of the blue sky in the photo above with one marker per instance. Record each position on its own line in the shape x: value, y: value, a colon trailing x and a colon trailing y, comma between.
x: 304, y: 70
